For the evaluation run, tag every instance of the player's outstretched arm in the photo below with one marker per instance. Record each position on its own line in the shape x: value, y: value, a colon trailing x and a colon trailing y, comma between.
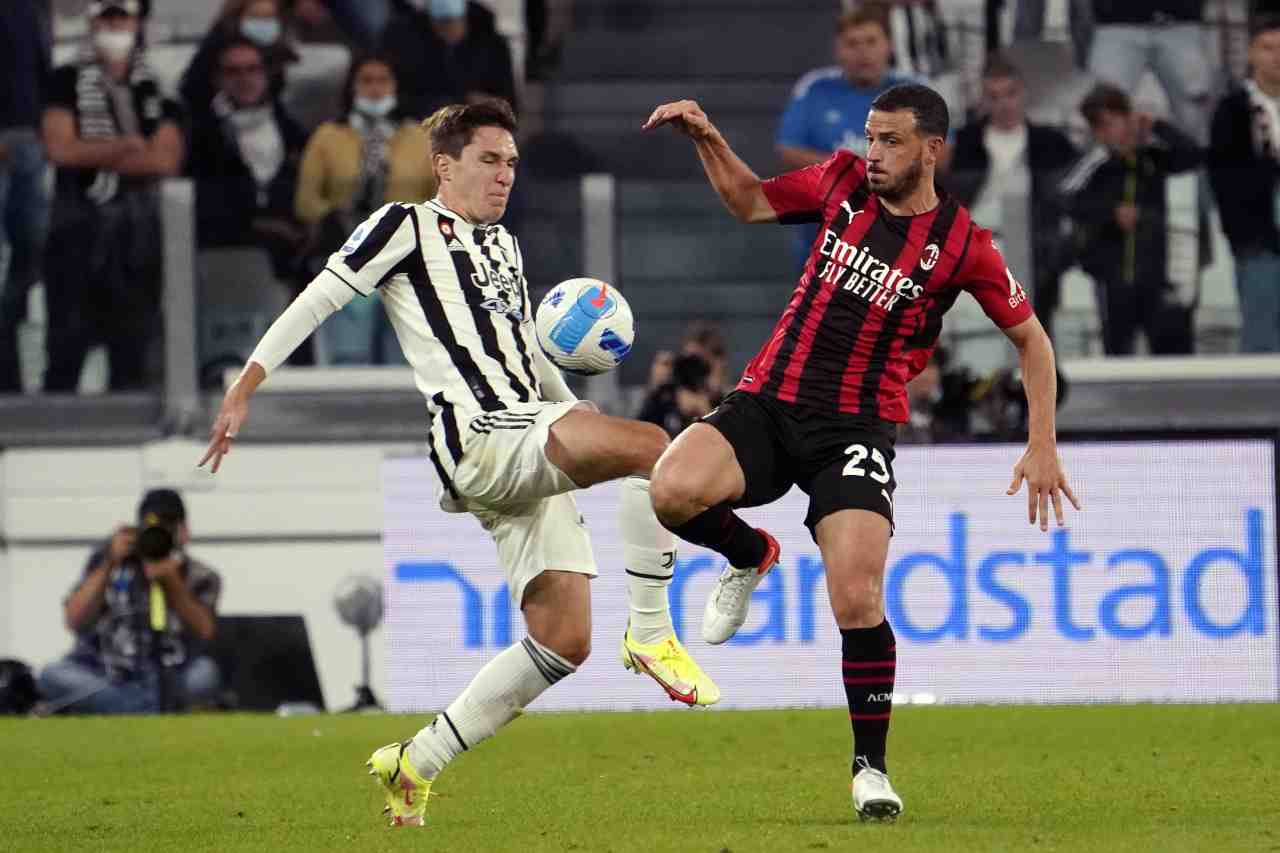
x: 232, y: 414
x: 326, y: 294
x: 1040, y: 465
x: 738, y: 186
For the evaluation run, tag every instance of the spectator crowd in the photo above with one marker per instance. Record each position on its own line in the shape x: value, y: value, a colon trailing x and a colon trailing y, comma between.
x: 263, y: 180
x: 1103, y: 206
x: 266, y: 182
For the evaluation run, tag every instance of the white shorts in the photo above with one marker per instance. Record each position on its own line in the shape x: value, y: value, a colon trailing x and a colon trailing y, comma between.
x: 520, y: 497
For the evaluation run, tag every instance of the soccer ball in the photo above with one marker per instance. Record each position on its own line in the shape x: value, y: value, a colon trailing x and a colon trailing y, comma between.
x: 585, y: 326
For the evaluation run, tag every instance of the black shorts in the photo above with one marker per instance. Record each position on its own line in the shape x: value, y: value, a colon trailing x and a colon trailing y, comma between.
x: 841, y: 461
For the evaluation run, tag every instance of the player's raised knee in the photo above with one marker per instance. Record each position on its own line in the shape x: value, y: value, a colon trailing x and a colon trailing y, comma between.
x: 676, y: 490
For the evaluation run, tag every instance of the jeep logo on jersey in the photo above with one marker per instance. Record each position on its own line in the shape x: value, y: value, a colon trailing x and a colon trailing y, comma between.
x: 930, y: 256
x: 852, y: 268
x: 501, y: 290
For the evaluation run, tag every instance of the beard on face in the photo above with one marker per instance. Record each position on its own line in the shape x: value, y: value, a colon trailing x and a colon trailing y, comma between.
x: 905, y: 184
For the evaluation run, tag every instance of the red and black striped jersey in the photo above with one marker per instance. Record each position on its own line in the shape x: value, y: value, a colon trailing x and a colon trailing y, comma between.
x: 867, y: 311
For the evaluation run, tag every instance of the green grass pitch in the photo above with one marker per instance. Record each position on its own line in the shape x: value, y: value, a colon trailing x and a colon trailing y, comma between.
x: 1142, y: 778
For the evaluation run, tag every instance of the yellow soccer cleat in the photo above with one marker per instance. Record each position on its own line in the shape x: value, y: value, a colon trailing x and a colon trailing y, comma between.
x: 668, y: 663
x: 406, y: 791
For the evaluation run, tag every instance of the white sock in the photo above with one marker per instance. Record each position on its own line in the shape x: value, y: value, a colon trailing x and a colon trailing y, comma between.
x: 498, y: 693
x: 649, y: 550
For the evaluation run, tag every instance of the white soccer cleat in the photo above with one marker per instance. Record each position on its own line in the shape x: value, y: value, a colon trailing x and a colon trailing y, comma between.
x: 873, y: 795
x: 726, y: 609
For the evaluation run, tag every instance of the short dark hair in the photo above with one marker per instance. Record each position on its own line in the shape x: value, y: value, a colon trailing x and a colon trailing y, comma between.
x: 706, y: 335
x: 1262, y: 23
x: 348, y: 91
x: 932, y: 117
x: 451, y: 127
x: 1104, y: 97
x: 871, y: 12
x: 165, y: 503
x: 1000, y: 67
x: 237, y: 43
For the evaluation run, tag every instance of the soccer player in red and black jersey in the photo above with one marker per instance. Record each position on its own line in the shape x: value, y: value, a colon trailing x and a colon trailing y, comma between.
x: 819, y: 405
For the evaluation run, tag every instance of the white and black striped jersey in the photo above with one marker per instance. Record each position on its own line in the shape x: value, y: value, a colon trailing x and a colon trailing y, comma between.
x: 458, y: 300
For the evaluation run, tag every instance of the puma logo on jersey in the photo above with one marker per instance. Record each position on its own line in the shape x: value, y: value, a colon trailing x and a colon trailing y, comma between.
x: 849, y: 209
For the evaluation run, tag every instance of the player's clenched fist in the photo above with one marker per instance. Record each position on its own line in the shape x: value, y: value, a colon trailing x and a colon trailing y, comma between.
x: 685, y: 116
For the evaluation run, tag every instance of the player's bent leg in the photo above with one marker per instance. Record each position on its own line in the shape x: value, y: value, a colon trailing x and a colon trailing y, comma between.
x: 693, y: 485
x: 499, y: 692
x: 649, y: 643
x: 855, y: 545
x: 693, y: 488
x: 698, y: 471
x: 591, y: 447
x: 557, y: 609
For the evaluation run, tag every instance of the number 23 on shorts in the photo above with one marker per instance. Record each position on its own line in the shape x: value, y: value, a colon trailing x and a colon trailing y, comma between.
x: 857, y: 454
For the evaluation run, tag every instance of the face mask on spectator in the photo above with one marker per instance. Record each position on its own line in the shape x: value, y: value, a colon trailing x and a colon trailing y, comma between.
x: 261, y: 31
x: 114, y: 44
x: 448, y: 8
x: 375, y: 107
x: 248, y: 118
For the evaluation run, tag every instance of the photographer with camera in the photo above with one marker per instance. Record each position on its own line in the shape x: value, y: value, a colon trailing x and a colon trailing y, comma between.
x: 142, y: 614
x: 688, y: 386
x: 682, y: 399
x: 685, y: 387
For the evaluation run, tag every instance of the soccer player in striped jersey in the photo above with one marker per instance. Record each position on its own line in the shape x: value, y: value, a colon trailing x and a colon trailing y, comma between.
x: 819, y: 405
x: 507, y: 437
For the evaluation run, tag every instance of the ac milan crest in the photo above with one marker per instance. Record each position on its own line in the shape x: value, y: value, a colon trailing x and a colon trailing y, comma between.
x: 930, y: 256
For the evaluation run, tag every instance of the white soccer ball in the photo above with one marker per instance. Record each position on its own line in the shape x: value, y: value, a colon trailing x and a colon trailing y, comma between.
x: 585, y: 326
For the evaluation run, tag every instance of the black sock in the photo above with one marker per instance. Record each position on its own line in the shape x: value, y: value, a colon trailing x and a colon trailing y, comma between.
x: 720, y: 529
x: 870, y: 661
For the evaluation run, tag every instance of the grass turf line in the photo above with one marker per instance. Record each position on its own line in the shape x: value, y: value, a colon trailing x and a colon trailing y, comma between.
x: 1167, y: 778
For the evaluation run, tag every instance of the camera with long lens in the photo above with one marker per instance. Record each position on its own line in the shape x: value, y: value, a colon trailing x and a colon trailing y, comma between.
x: 156, y: 537
x: 691, y: 372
